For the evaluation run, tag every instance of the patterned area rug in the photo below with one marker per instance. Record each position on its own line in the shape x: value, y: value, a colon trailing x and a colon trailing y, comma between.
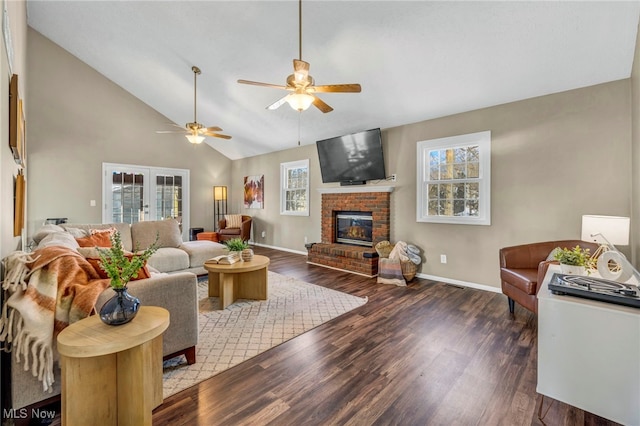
x: 247, y: 328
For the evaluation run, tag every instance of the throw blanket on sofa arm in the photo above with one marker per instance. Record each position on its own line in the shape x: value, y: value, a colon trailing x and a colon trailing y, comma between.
x: 44, y: 292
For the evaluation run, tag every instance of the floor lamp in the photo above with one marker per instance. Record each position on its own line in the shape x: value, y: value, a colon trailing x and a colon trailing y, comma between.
x: 219, y: 204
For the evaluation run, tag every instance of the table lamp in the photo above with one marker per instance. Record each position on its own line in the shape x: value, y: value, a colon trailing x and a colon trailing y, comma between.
x: 608, y: 231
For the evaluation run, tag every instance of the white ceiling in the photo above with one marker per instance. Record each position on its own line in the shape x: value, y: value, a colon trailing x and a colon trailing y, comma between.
x: 415, y: 60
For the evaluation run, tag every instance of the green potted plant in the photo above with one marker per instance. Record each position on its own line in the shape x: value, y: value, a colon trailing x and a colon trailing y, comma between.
x: 574, y: 261
x: 241, y: 247
x: 121, y: 267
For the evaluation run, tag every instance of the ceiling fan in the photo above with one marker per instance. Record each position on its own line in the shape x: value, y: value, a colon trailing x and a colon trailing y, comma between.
x: 302, y: 85
x: 196, y: 131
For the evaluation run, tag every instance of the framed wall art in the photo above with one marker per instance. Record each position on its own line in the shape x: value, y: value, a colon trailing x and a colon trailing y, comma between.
x: 254, y: 192
x: 16, y: 122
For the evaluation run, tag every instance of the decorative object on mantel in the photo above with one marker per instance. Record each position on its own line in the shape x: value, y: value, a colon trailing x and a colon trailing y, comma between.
x: 121, y: 268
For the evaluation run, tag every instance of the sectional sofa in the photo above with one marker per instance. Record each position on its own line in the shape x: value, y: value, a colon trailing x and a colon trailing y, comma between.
x: 172, y: 285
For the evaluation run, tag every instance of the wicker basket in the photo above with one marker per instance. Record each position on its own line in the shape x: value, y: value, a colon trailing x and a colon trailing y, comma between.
x: 409, y: 270
x: 384, y: 248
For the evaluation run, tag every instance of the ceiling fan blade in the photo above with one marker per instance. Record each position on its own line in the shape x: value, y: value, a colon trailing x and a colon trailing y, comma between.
x: 217, y: 135
x: 277, y: 104
x: 256, y: 83
x: 211, y: 129
x: 336, y: 88
x: 321, y: 105
x: 170, y: 131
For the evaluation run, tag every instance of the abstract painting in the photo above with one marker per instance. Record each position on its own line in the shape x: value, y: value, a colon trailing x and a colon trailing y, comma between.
x: 254, y: 192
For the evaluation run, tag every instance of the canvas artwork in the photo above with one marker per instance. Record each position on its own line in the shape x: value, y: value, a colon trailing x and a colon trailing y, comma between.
x: 254, y: 192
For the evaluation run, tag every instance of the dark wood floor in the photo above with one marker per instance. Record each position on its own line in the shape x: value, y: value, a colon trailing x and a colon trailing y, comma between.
x: 425, y: 354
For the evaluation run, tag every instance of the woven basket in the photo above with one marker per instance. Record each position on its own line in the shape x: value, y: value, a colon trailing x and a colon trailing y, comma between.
x: 384, y: 248
x: 409, y: 270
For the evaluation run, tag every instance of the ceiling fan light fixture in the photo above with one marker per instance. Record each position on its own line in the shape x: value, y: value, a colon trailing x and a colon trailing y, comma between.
x: 195, y: 139
x: 300, y: 101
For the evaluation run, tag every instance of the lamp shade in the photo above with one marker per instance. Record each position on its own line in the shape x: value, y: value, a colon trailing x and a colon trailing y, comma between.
x: 219, y: 193
x: 614, y: 229
x: 195, y: 139
x: 300, y: 101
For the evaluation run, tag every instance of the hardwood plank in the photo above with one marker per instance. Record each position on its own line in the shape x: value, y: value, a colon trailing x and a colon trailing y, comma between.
x: 429, y: 353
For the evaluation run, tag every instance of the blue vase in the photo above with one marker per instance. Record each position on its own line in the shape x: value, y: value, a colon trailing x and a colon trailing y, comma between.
x: 120, y: 309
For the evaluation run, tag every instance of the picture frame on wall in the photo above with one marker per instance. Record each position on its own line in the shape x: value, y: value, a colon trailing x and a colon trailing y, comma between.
x: 16, y: 122
x: 254, y: 192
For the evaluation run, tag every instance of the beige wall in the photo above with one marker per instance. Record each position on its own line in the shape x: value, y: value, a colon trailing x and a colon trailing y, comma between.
x: 78, y: 119
x: 8, y: 168
x: 554, y: 158
x: 635, y: 131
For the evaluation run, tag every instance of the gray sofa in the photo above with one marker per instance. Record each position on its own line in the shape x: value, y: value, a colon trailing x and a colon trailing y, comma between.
x: 173, y: 286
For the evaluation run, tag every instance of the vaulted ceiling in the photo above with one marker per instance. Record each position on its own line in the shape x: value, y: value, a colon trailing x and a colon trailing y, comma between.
x: 415, y: 60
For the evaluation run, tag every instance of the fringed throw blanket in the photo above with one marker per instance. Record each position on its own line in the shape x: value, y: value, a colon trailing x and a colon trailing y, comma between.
x: 44, y: 292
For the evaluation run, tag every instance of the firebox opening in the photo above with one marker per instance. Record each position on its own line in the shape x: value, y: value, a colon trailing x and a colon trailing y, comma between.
x: 354, y: 228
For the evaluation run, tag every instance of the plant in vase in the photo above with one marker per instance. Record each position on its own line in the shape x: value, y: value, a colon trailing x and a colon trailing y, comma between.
x: 239, y: 246
x: 121, y: 267
x: 574, y: 261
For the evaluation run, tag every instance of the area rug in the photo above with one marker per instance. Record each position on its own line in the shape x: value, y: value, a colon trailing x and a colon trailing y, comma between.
x: 247, y: 328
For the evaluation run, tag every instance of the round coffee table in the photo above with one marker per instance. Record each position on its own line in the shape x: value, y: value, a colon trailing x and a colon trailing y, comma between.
x: 240, y: 280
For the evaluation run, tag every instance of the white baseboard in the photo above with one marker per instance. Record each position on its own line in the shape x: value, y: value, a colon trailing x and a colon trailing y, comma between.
x: 419, y: 275
x: 460, y: 283
x: 304, y: 253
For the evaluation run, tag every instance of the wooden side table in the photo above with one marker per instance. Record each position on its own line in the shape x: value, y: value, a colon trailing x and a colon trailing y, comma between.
x: 112, y: 375
x: 240, y: 280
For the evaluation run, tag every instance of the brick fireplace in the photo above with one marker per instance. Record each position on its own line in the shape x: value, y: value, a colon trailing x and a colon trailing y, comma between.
x: 356, y: 258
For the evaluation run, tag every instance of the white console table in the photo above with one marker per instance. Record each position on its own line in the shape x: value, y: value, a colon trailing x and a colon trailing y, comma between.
x: 589, y: 354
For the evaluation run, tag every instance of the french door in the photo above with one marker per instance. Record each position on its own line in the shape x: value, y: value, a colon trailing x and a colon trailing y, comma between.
x: 137, y: 193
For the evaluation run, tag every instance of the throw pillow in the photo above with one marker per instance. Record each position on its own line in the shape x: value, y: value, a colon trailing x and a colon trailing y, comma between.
x: 100, y: 239
x: 144, y: 233
x: 109, y: 231
x: 58, y: 239
x: 77, y: 232
x: 233, y: 220
x: 46, y: 230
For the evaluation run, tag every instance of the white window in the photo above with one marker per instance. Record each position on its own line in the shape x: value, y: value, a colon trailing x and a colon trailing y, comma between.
x: 454, y: 180
x: 294, y: 188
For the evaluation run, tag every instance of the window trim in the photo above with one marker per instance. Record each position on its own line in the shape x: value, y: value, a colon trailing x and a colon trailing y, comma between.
x: 483, y: 140
x: 284, y: 167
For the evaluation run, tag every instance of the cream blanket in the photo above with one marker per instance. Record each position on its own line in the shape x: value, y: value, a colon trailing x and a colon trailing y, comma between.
x: 43, y: 293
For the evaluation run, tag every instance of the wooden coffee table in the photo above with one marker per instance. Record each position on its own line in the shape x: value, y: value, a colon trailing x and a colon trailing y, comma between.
x: 241, y: 280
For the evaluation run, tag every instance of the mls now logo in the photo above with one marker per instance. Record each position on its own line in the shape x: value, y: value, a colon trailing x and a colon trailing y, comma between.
x: 23, y: 413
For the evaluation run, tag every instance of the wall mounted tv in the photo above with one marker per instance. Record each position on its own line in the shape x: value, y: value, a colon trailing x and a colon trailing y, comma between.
x: 352, y: 159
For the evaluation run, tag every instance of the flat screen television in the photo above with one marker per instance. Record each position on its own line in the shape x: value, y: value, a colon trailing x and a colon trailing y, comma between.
x: 352, y: 159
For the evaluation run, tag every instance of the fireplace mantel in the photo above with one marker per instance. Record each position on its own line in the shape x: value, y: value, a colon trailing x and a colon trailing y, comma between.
x: 354, y: 189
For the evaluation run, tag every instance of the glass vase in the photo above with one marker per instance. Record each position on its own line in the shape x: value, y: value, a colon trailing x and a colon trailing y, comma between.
x: 120, y: 309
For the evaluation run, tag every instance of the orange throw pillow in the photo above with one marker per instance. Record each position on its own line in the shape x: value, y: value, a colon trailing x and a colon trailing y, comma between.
x: 100, y: 239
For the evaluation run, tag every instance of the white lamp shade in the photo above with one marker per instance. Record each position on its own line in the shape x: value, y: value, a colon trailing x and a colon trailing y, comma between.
x: 195, y: 139
x: 300, y: 101
x: 614, y: 229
